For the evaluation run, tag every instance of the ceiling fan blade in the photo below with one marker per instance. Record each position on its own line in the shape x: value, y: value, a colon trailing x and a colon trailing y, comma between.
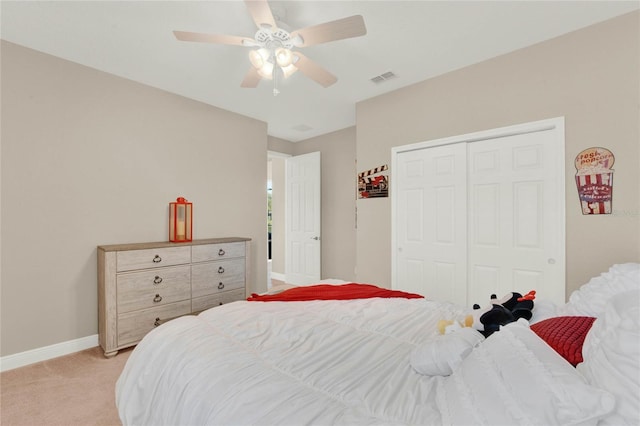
x: 314, y: 71
x: 353, y: 26
x: 251, y: 79
x: 260, y: 12
x: 212, y: 38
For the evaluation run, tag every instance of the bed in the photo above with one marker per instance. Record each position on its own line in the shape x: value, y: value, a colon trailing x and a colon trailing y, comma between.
x: 381, y: 360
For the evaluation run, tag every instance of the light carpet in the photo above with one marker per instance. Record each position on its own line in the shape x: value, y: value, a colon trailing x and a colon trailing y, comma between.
x: 76, y: 389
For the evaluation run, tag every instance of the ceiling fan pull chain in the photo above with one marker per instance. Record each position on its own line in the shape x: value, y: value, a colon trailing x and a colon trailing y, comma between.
x: 275, y: 81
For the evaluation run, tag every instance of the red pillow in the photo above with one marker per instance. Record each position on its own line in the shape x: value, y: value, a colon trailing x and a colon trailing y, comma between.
x: 565, y: 335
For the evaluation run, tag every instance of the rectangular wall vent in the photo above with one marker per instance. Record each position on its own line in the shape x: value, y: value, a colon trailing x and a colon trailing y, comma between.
x: 383, y: 77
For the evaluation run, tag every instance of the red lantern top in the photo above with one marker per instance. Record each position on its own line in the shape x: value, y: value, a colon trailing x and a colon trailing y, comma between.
x: 181, y: 200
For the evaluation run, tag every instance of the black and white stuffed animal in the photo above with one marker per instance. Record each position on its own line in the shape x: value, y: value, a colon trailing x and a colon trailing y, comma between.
x: 510, y: 308
x: 520, y: 306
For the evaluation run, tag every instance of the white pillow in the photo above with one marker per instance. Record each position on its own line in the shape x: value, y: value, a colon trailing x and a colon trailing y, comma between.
x: 441, y: 355
x: 611, y: 353
x: 515, y: 378
x: 591, y: 299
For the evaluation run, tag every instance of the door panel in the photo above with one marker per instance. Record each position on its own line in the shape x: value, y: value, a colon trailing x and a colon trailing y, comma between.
x: 430, y: 258
x: 302, y: 234
x: 514, y: 217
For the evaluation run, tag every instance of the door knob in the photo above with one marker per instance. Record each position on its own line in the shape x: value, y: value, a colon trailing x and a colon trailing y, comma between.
x: 315, y: 238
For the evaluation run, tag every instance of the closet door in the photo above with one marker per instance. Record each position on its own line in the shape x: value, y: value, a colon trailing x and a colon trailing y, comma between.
x: 516, y: 212
x: 481, y: 213
x: 431, y: 222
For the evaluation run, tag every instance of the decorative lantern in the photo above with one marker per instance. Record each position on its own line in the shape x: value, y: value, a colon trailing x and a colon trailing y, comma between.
x: 180, y: 220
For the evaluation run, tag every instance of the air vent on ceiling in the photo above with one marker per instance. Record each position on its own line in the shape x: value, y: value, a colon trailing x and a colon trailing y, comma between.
x: 302, y: 128
x: 383, y: 77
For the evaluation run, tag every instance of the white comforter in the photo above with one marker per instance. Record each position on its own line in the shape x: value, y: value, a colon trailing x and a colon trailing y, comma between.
x: 291, y: 363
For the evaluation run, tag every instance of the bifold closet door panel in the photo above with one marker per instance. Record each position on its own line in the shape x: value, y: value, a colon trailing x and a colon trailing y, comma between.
x: 513, y: 223
x: 431, y: 222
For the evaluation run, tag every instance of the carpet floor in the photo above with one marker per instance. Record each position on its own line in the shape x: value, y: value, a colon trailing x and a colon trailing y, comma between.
x: 76, y: 389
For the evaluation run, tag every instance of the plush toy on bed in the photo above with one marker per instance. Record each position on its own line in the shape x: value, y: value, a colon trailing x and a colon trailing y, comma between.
x: 449, y: 326
x: 520, y: 306
x: 500, y: 312
x: 510, y: 308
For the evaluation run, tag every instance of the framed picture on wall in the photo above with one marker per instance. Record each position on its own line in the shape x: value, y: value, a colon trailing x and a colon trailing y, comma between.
x: 373, y: 183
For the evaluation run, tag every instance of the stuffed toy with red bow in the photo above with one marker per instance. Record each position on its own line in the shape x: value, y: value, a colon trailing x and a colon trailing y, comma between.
x: 520, y: 306
x: 510, y: 308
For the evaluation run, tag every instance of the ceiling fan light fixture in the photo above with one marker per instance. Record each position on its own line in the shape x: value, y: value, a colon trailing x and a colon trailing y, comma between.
x: 266, y: 70
x: 297, y: 40
x: 256, y: 59
x: 259, y: 57
x: 284, y: 57
x: 288, y: 70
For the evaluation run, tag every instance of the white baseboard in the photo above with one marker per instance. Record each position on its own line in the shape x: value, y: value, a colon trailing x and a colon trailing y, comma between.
x: 21, y: 359
x: 277, y: 276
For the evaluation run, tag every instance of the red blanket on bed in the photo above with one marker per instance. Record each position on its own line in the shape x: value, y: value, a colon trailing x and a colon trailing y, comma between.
x: 332, y: 292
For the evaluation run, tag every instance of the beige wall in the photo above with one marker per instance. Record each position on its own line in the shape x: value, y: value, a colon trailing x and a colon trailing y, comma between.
x: 88, y: 159
x: 338, y: 168
x: 280, y: 145
x: 591, y: 77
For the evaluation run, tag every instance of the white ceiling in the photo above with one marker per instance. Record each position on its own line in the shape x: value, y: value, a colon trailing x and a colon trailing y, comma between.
x: 416, y: 40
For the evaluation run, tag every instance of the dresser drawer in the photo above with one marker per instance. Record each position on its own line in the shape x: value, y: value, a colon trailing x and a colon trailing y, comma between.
x: 152, y: 258
x: 207, y: 252
x: 215, y: 277
x: 153, y: 287
x: 205, y: 302
x: 134, y: 325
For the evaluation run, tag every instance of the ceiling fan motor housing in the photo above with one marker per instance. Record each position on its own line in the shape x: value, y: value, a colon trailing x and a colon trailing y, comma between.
x: 272, y: 39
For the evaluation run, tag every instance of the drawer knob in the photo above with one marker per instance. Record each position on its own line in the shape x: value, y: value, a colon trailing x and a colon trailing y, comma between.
x: 157, y: 259
x: 221, y: 252
x: 157, y: 280
x: 220, y: 270
x: 157, y: 299
x: 220, y: 286
x: 157, y: 323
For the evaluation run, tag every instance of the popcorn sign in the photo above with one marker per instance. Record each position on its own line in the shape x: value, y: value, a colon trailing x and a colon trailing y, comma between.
x: 594, y: 179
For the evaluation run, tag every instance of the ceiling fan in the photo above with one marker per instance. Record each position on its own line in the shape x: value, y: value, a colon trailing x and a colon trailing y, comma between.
x: 273, y: 56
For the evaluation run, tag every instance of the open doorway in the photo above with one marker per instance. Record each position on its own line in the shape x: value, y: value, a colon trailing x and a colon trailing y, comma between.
x: 275, y: 217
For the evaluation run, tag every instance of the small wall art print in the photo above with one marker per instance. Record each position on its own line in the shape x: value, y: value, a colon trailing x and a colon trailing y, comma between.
x: 373, y: 183
x: 594, y: 180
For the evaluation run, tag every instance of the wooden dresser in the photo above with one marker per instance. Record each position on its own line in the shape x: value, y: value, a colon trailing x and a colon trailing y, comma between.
x: 143, y: 285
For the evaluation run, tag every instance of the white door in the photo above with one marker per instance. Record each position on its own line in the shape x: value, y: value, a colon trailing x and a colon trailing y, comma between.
x: 431, y: 218
x: 516, y: 212
x: 479, y: 214
x: 302, y: 232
